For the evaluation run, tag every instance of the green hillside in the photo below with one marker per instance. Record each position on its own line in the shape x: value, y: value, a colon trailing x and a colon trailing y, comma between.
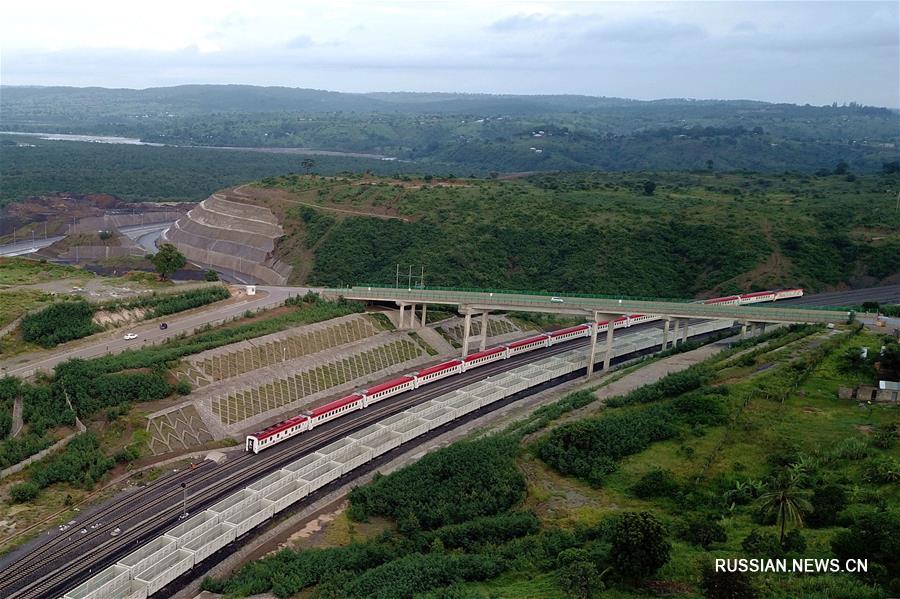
x: 695, y: 234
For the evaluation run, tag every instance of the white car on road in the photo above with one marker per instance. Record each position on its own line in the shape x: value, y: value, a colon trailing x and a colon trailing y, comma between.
x: 130, y: 336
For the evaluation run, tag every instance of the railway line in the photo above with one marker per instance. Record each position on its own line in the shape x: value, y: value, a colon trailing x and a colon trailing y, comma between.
x: 47, y: 568
x: 49, y: 565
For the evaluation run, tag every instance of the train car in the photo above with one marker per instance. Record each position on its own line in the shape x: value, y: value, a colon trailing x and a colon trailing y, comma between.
x: 757, y: 297
x: 484, y: 357
x: 562, y: 335
x: 526, y: 345
x: 620, y: 323
x: 731, y: 300
x: 277, y: 433
x: 388, y: 389
x: 788, y: 293
x: 641, y: 318
x: 335, y: 409
x: 433, y: 373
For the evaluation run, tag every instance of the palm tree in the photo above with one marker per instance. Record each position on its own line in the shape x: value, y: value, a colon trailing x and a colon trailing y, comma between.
x: 786, y: 501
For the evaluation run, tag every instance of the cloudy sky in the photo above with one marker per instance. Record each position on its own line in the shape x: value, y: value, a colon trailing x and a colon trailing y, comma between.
x: 779, y: 51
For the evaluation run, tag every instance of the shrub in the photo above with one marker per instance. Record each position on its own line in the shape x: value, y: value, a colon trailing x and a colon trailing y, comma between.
x: 875, y: 536
x: 882, y: 470
x: 580, y: 580
x: 639, y: 545
x: 23, y: 492
x: 827, y: 502
x: 701, y: 530
x: 58, y: 323
x: 656, y: 483
x: 211, y: 275
x: 726, y: 585
x: 851, y: 448
x: 183, y: 387
x: 794, y: 542
x: 761, y: 543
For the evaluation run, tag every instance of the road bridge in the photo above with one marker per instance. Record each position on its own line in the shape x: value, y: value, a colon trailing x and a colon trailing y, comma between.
x: 593, y: 308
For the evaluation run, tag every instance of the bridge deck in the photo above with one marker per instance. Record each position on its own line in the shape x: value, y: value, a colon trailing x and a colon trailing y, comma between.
x: 585, y: 304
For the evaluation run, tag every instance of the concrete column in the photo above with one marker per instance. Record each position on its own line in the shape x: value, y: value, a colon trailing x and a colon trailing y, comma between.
x: 466, y: 328
x: 665, y: 340
x: 675, y: 332
x: 760, y: 328
x: 484, y: 330
x: 609, y: 343
x: 424, y: 322
x: 402, y: 314
x: 684, y: 334
x: 744, y: 328
x: 593, y: 355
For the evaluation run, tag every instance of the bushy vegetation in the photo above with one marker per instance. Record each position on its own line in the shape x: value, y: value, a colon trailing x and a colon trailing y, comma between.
x: 591, y: 448
x: 599, y: 233
x: 59, y: 322
x: 162, y: 304
x: 82, y: 463
x: 467, y: 480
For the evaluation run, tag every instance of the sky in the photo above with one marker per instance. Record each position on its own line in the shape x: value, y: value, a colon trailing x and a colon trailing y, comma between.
x: 800, y: 52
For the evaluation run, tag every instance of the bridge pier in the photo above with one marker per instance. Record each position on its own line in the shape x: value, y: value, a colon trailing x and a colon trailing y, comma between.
x: 684, y: 334
x: 402, y: 316
x: 484, y: 331
x: 467, y: 327
x: 609, y: 343
x: 744, y: 328
x: 424, y: 321
x: 593, y: 354
x: 665, y: 334
x: 675, y: 332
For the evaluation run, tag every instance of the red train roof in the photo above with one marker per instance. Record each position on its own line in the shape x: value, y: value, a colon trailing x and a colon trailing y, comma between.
x: 333, y: 405
x: 757, y: 293
x: 279, y: 427
x: 522, y: 342
x: 717, y: 300
x: 580, y: 327
x: 487, y: 352
x: 388, y: 385
x: 439, y: 367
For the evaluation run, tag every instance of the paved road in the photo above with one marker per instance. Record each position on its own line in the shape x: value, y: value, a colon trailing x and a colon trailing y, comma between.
x: 150, y: 333
x: 138, y: 232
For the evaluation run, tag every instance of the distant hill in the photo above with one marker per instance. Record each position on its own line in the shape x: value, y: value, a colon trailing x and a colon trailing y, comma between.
x: 695, y: 235
x: 476, y: 133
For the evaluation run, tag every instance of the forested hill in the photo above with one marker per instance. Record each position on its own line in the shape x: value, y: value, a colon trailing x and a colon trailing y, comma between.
x: 476, y: 133
x: 662, y: 235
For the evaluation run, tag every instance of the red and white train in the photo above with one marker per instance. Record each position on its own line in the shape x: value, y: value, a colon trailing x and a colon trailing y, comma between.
x: 362, y: 399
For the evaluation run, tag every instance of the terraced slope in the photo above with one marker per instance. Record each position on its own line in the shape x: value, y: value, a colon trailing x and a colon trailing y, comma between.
x: 232, y: 236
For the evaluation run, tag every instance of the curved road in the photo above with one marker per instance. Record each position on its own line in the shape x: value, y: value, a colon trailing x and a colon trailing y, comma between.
x: 141, y: 233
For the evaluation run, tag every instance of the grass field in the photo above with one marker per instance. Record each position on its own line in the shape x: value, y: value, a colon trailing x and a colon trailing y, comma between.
x: 25, y: 271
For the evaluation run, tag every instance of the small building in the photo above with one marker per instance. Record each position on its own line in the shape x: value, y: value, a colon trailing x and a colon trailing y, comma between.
x: 251, y: 289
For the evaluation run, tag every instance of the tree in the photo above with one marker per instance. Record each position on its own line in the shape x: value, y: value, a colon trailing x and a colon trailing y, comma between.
x: 211, y: 275
x: 702, y: 530
x: 167, y: 260
x: 639, y: 545
x: 709, y: 165
x: 841, y: 168
x: 649, y: 188
x: 580, y: 580
x: 786, y: 501
x: 308, y: 164
x: 726, y: 585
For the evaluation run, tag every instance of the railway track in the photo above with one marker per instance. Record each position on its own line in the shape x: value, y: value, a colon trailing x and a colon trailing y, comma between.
x: 151, y: 510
